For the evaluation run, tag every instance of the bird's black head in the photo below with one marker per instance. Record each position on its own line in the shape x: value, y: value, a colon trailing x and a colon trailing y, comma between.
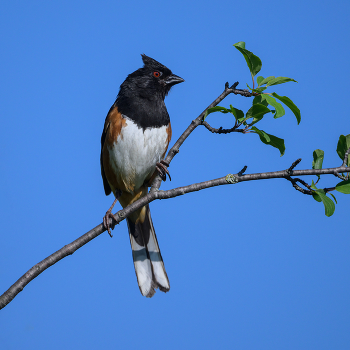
x: 141, y: 96
x: 150, y: 81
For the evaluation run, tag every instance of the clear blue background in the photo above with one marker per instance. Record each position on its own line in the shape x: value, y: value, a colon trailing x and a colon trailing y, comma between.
x: 252, y: 266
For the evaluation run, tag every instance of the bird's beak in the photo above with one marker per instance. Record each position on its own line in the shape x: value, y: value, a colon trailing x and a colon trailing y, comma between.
x: 173, y: 79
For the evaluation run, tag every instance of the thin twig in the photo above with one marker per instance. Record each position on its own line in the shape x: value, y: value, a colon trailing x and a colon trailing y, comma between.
x: 240, y: 173
x: 289, y: 170
x: 328, y: 189
x: 297, y: 187
x: 340, y: 176
x: 221, y: 130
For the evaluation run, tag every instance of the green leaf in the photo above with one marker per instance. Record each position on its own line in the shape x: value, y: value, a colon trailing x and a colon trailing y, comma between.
x: 319, y: 195
x: 343, y: 187
x: 253, y: 62
x: 215, y: 109
x: 259, y: 90
x: 289, y: 103
x: 266, y: 80
x: 343, y: 146
x: 329, y: 205
x: 271, y: 140
x: 237, y: 113
x: 280, y: 112
x: 318, y: 155
x: 257, y: 111
x: 259, y: 80
x: 279, y: 80
x: 316, y: 197
x: 314, y: 194
x: 335, y: 199
x: 240, y: 44
x: 259, y: 99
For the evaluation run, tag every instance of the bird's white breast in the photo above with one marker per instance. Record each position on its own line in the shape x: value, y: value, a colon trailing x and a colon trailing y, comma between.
x: 135, y: 153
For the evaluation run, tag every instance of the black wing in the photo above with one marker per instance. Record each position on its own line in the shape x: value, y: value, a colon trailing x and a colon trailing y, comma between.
x: 105, y: 182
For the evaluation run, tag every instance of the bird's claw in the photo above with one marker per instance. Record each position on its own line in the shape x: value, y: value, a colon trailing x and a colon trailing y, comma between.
x: 162, y: 168
x: 109, y: 215
x: 106, y: 224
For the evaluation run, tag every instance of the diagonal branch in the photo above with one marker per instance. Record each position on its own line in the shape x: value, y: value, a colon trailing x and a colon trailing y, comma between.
x: 155, y: 193
x: 198, y: 121
x: 69, y: 249
x: 78, y: 243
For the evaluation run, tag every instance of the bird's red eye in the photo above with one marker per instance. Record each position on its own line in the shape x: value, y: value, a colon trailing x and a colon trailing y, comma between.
x: 156, y: 74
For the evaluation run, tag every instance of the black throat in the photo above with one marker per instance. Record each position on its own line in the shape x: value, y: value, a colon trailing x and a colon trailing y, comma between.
x: 146, y: 112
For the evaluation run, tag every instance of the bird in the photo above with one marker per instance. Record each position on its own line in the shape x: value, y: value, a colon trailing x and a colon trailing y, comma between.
x: 135, y: 138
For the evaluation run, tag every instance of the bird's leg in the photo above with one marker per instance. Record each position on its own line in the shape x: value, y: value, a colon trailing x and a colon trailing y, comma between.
x: 162, y: 168
x: 108, y: 216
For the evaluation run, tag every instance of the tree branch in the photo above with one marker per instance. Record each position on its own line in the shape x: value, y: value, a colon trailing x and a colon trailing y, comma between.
x: 224, y: 131
x: 155, y: 193
x: 340, y: 176
x: 69, y: 249
x: 198, y: 121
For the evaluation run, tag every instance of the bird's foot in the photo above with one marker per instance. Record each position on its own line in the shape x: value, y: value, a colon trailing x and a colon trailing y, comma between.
x: 162, y: 168
x: 108, y: 216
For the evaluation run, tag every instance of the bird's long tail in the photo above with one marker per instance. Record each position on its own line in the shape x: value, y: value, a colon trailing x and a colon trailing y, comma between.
x: 148, y: 262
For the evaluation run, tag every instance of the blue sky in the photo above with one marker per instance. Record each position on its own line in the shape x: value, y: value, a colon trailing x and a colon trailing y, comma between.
x: 252, y: 266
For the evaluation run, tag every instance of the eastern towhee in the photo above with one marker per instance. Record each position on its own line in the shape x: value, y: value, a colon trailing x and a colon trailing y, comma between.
x: 135, y: 137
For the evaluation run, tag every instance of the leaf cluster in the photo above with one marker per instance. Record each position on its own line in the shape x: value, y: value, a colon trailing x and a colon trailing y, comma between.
x: 265, y: 103
x: 321, y: 195
x: 262, y: 104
